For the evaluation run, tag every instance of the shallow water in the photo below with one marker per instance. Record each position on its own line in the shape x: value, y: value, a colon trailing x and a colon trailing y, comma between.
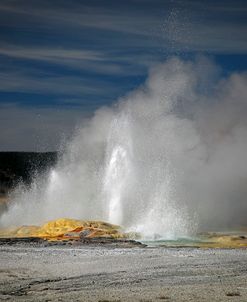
x: 180, y: 242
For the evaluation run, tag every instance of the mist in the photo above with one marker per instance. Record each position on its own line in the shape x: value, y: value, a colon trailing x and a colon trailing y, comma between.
x: 168, y: 159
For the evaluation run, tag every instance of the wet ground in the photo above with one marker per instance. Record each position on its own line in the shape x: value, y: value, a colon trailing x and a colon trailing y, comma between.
x: 122, y: 274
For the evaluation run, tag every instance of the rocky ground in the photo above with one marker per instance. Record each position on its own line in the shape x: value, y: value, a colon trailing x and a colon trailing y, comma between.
x: 103, y: 273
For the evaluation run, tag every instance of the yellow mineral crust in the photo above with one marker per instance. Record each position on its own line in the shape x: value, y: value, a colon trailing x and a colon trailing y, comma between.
x: 214, y: 240
x: 66, y: 228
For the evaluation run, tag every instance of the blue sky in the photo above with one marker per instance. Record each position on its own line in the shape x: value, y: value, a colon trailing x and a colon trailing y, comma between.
x: 61, y: 60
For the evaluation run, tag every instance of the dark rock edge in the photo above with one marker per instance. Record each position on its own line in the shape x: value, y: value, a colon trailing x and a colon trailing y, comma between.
x: 97, y: 241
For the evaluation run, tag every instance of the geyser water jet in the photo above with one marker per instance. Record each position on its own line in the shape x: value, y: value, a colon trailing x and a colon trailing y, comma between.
x: 117, y: 175
x: 167, y: 160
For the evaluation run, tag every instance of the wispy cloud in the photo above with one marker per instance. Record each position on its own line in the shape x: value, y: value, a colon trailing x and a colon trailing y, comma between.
x: 49, y: 54
x: 190, y: 24
x: 102, y: 17
x: 79, y: 59
x: 57, y: 85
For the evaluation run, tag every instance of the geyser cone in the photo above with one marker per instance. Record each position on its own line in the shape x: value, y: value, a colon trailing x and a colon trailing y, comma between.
x: 64, y: 229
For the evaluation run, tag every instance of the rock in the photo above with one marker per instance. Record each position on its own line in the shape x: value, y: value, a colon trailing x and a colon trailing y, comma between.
x: 85, y: 233
x: 97, y: 241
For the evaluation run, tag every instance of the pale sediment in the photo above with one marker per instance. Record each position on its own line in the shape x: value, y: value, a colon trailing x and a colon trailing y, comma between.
x: 96, y: 274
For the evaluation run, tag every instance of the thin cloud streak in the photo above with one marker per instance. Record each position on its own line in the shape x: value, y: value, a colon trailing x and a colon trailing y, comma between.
x: 85, y: 17
x: 79, y: 59
x: 49, y: 54
x: 56, y: 85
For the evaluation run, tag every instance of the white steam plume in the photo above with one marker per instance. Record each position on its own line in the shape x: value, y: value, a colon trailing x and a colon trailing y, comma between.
x: 168, y: 159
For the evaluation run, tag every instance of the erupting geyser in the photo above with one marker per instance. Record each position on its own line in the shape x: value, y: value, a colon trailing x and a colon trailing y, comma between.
x: 165, y: 161
x: 118, y: 172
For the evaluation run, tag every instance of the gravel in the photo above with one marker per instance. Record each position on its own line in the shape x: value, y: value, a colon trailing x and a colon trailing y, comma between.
x: 98, y: 273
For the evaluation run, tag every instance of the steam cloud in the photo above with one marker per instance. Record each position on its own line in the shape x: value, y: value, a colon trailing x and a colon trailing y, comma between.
x: 168, y: 159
